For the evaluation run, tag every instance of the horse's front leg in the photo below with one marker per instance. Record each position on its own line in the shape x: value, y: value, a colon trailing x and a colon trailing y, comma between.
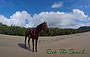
x: 33, y: 44
x: 36, y: 44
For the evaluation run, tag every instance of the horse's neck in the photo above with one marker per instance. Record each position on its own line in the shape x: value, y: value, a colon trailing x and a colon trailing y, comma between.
x: 38, y: 29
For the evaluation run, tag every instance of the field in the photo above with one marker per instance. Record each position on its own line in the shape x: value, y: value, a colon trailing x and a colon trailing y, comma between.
x: 13, y: 46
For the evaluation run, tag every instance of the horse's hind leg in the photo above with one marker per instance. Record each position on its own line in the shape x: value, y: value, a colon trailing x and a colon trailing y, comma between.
x: 33, y: 44
x: 29, y: 41
x: 25, y: 40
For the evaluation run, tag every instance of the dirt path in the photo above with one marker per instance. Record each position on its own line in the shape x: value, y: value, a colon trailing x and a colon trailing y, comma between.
x: 13, y: 46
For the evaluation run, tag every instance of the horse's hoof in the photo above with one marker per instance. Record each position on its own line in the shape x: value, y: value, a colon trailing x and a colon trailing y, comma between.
x: 25, y: 46
x: 32, y: 51
x: 29, y: 46
x: 36, y: 50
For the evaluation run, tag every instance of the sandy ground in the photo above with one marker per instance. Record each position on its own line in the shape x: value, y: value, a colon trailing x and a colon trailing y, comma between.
x: 13, y: 46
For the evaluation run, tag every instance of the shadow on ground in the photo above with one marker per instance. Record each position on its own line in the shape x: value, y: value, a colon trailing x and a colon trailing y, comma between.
x: 23, y: 46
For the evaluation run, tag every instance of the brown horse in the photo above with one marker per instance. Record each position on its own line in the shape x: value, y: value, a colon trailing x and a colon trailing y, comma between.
x: 34, y: 34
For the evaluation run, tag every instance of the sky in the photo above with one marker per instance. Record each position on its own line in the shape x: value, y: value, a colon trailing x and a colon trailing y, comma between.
x: 57, y: 13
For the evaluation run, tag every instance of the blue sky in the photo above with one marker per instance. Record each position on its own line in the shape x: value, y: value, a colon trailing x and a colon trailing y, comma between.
x: 10, y: 7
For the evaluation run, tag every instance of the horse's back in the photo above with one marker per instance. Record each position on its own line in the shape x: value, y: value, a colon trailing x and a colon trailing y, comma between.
x: 29, y: 31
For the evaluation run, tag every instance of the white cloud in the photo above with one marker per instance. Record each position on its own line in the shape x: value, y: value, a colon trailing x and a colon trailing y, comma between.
x: 4, y: 20
x: 65, y: 19
x: 73, y: 19
x: 57, y: 4
x: 17, y: 19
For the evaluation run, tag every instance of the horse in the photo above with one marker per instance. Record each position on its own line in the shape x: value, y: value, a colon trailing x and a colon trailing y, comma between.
x: 34, y: 33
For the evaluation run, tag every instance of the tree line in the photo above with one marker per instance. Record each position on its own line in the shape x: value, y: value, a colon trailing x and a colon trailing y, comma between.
x: 20, y: 31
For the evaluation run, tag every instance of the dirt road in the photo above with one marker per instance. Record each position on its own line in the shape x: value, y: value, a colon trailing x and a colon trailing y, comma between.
x: 61, y: 46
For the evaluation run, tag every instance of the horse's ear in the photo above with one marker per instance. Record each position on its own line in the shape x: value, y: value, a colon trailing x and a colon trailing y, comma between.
x: 45, y: 22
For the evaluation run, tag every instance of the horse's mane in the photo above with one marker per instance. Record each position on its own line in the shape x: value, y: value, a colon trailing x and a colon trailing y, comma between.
x: 39, y: 25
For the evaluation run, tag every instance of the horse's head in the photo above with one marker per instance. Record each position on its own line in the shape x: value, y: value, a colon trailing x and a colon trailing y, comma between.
x: 45, y: 27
